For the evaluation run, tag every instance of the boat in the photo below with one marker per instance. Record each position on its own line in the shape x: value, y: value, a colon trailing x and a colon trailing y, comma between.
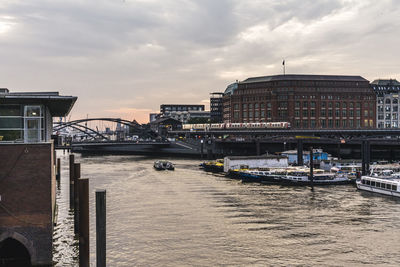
x: 161, y: 165
x: 294, y: 176
x: 388, y: 185
x: 213, y: 166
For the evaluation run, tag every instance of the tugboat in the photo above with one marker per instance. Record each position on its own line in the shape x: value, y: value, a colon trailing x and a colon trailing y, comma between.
x: 161, y: 165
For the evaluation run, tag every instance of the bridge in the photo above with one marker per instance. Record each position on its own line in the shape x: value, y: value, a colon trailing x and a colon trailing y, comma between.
x: 95, y: 134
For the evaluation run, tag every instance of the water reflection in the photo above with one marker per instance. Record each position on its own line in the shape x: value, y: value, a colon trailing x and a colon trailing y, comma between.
x: 190, y: 218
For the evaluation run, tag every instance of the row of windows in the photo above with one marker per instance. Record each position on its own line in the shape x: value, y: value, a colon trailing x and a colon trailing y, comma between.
x: 388, y: 101
x: 305, y: 104
x: 380, y: 185
x: 330, y: 123
x: 388, y: 124
x: 388, y: 108
x: 388, y: 116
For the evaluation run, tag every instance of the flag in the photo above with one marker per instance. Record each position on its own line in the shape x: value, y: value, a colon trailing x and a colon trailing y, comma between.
x: 283, y: 62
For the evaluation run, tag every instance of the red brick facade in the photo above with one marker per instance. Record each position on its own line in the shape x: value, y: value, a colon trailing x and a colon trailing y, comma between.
x: 27, y: 189
x: 306, y: 101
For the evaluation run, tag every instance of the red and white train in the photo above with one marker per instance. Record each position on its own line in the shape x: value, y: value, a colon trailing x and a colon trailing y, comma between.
x: 239, y: 126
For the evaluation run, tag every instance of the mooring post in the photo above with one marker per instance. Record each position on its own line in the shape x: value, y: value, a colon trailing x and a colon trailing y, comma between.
x: 300, y: 152
x: 101, y: 228
x: 71, y: 180
x: 58, y: 169
x: 368, y: 156
x: 312, y: 168
x: 363, y: 152
x: 77, y: 175
x: 83, y: 185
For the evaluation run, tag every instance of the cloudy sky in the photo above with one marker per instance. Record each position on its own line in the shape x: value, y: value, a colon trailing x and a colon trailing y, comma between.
x: 123, y: 58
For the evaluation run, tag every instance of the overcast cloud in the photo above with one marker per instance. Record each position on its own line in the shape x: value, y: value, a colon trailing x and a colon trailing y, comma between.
x: 125, y: 58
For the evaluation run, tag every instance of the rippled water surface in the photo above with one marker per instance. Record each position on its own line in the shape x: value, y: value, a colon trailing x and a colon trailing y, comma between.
x: 188, y: 217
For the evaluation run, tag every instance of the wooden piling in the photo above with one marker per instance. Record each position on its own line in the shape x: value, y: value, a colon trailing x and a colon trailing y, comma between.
x: 300, y: 152
x: 77, y: 175
x: 363, y: 158
x: 312, y: 168
x: 58, y: 169
x: 83, y: 185
x: 71, y: 180
x: 101, y: 228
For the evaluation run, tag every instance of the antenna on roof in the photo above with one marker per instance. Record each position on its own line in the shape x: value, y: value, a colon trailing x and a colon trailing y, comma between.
x: 284, y: 67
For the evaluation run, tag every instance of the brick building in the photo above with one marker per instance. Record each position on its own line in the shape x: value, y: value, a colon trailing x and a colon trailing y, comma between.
x: 216, y: 107
x: 27, y: 175
x: 306, y: 101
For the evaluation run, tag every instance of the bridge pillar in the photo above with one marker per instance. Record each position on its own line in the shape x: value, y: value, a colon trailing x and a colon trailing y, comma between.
x: 258, y: 147
x: 300, y: 152
x: 365, y: 156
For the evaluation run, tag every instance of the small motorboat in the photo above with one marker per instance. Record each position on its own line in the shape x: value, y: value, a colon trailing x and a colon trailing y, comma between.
x: 161, y: 165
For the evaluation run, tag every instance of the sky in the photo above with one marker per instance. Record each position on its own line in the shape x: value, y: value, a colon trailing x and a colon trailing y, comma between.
x: 124, y: 58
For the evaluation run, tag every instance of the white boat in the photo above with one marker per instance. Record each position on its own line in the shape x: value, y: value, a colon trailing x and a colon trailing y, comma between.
x: 382, y: 185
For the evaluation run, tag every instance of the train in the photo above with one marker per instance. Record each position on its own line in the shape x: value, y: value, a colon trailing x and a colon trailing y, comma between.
x: 238, y: 126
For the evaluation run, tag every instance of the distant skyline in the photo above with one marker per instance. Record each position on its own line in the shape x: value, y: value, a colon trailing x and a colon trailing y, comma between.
x: 125, y: 58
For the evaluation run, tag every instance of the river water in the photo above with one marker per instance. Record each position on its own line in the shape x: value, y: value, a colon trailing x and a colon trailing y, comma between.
x: 188, y: 217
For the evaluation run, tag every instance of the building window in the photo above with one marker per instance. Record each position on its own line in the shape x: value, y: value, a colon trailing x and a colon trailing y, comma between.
x: 330, y: 112
x: 312, y: 113
x: 380, y: 116
x: 365, y: 113
x: 380, y: 108
x: 337, y: 123
x: 387, y: 101
x: 244, y: 106
x: 395, y: 108
x: 337, y: 105
x: 358, y: 123
x: 305, y: 123
x: 269, y: 105
x: 344, y: 105
x: 323, y: 104
x: 387, y: 108
x: 387, y: 116
x: 250, y: 106
x: 330, y: 104
x: 330, y: 123
x: 358, y: 105
x: 337, y: 113
x: 395, y: 101
x: 236, y: 106
x: 305, y: 104
x: 297, y: 113
x: 323, y: 123
x: 344, y: 123
x: 312, y: 123
x: 21, y: 123
x: 365, y: 123
x: 351, y: 113
x: 312, y: 104
x: 351, y: 123
x: 358, y: 113
x: 262, y: 113
x: 297, y: 123
x: 351, y: 105
x: 344, y: 113
x: 305, y: 113
x: 244, y: 114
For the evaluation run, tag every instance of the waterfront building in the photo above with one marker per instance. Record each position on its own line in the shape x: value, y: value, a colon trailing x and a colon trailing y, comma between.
x: 226, y: 101
x: 387, y: 102
x: 165, y: 109
x: 186, y: 116
x: 154, y: 116
x: 216, y: 107
x: 306, y: 101
x: 27, y: 175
